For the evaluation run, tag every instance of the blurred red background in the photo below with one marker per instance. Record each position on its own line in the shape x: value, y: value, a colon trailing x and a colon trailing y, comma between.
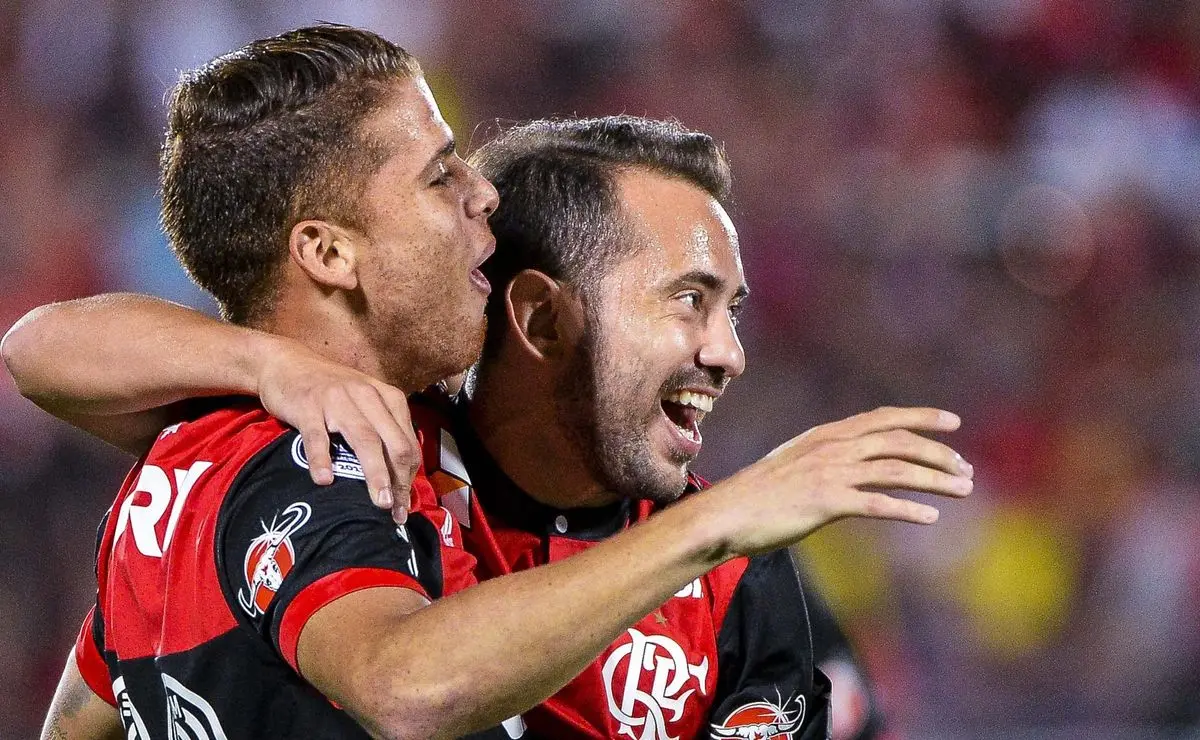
x: 992, y: 207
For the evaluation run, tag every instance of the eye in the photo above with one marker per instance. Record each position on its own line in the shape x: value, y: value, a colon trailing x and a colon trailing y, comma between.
x: 692, y: 298
x: 441, y: 175
x: 735, y: 313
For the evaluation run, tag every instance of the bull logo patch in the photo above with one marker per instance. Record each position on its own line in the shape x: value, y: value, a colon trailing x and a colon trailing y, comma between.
x: 762, y: 720
x: 270, y: 557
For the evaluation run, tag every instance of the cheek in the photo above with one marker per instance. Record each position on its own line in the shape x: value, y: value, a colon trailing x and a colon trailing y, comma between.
x: 667, y: 345
x: 442, y: 223
x: 635, y: 367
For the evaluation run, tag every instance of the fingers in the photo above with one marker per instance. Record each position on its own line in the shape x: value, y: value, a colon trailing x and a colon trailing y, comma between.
x: 405, y: 453
x: 400, y: 508
x: 375, y: 423
x: 883, y: 506
x: 320, y: 397
x: 385, y: 410
x: 886, y: 418
x: 363, y: 438
x: 905, y: 445
x: 316, y: 449
x: 892, y: 473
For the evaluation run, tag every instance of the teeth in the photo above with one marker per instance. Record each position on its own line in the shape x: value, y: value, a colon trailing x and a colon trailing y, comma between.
x: 699, y: 401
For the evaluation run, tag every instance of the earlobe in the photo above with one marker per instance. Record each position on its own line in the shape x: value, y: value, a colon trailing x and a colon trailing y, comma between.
x: 325, y: 253
x: 532, y: 302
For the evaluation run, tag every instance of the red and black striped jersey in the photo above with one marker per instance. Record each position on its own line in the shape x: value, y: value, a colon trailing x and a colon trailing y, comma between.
x: 729, y: 656
x: 215, y: 554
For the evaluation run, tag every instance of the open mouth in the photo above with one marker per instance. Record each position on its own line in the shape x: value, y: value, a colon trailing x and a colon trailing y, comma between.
x: 477, y: 277
x: 685, y: 410
x: 480, y: 282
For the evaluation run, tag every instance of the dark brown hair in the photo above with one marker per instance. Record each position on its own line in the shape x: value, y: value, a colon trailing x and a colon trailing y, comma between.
x: 559, y: 212
x: 264, y: 137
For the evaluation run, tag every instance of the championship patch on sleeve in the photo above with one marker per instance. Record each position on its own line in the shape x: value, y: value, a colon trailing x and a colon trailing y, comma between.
x: 762, y: 720
x: 345, y: 462
x: 270, y: 557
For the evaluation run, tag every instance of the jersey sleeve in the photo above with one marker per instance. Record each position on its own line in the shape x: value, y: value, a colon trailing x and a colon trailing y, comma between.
x: 89, y: 644
x: 89, y: 657
x: 767, y: 681
x: 287, y: 547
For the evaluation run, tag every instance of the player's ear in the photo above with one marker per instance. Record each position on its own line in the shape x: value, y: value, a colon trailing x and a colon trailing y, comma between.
x: 326, y: 253
x: 536, y: 306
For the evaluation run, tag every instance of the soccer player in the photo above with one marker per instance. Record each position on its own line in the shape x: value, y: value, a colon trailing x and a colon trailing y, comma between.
x: 316, y: 589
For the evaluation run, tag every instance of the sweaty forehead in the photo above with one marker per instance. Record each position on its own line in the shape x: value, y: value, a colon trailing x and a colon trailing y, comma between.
x: 678, y: 227
x: 409, y: 122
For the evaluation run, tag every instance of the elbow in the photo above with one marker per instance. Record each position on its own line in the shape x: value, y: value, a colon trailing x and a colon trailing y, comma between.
x: 18, y: 344
x: 416, y: 709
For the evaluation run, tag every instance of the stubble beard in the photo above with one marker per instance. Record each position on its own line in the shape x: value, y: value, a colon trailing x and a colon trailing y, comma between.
x: 419, y: 356
x: 609, y: 435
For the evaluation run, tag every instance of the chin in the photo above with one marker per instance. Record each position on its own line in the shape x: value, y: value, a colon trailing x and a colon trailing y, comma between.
x: 452, y: 357
x: 466, y: 344
x: 664, y: 485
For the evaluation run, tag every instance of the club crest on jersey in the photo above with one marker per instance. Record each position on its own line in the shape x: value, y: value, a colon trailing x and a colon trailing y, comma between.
x: 657, y: 663
x: 762, y: 720
x: 345, y: 462
x: 270, y: 557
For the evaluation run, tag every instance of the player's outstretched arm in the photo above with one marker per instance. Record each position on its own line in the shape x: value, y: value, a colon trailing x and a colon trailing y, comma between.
x: 840, y: 470
x: 76, y: 713
x: 468, y: 661
x: 113, y: 365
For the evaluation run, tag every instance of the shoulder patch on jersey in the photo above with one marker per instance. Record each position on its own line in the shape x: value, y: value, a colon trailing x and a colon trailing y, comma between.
x: 270, y: 558
x: 762, y: 720
x: 345, y: 462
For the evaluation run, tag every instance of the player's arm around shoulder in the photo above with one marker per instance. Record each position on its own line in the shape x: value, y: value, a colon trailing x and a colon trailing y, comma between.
x: 77, y: 713
x: 108, y: 364
x: 122, y: 367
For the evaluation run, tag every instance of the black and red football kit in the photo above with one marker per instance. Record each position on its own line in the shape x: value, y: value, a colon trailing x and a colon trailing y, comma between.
x: 215, y: 554
x: 729, y: 656
x: 219, y: 548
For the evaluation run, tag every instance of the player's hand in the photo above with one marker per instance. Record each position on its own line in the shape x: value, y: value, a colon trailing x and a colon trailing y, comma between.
x: 840, y: 470
x: 319, y: 397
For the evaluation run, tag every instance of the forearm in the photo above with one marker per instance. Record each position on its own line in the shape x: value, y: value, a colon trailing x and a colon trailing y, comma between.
x: 124, y: 353
x: 497, y: 649
x: 76, y: 713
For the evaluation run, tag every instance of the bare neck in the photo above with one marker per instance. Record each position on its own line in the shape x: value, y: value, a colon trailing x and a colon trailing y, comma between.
x: 333, y: 331
x: 512, y: 412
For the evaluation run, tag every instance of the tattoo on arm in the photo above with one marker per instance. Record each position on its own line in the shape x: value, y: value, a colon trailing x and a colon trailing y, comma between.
x: 75, y: 699
x: 76, y: 713
x: 54, y: 730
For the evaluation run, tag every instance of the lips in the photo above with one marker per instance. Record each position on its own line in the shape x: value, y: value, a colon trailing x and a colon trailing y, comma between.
x: 476, y: 275
x: 684, y: 410
x: 480, y: 282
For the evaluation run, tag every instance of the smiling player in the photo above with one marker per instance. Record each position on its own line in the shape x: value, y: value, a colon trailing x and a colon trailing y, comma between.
x: 619, y: 274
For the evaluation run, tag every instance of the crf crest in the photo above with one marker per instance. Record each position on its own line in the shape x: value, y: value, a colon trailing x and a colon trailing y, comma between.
x: 270, y: 557
x: 656, y: 684
x: 762, y: 720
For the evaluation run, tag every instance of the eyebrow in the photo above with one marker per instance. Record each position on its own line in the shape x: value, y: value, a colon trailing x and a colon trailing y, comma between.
x: 707, y: 280
x: 447, y: 149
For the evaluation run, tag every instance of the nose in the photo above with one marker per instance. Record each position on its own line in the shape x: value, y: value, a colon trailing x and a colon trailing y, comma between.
x: 721, y: 348
x: 483, y: 198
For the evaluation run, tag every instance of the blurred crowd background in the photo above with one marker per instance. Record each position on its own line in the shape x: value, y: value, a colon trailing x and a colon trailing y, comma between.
x: 991, y: 206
